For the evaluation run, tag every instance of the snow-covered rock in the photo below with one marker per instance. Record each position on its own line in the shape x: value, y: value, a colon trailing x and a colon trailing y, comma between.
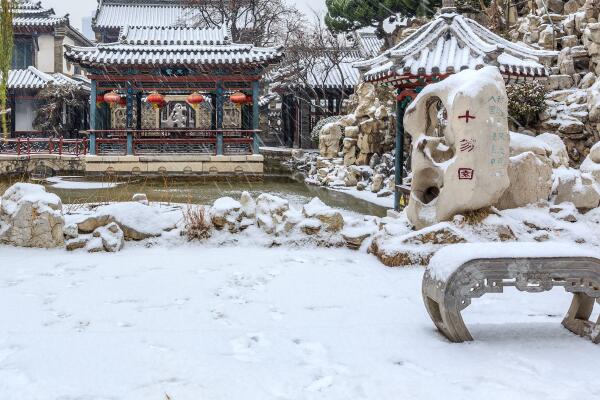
x: 226, y: 214
x: 112, y: 237
x: 330, y: 218
x: 248, y: 205
x: 530, y: 181
x: 31, y: 217
x: 271, y: 212
x: 140, y: 198
x: 558, y: 155
x: 577, y: 188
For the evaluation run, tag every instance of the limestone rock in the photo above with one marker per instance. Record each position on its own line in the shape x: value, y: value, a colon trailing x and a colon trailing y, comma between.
x: 31, y: 217
x: 579, y: 189
x: 329, y: 140
x: 558, y: 155
x: 466, y: 182
x: 71, y: 231
x: 530, y: 181
x: 377, y: 183
x: 331, y: 219
x: 75, y: 244
x: 94, y: 245
x: 226, y: 214
x: 591, y: 164
x: 112, y: 237
x: 271, y: 213
x: 248, y: 205
x: 311, y: 226
x: 593, y: 102
x: 140, y: 198
x: 90, y: 224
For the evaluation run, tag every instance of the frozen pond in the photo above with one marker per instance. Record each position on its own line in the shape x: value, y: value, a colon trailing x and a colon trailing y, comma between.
x: 74, y: 190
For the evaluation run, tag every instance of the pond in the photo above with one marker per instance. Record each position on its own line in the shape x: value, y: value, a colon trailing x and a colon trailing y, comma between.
x: 76, y: 190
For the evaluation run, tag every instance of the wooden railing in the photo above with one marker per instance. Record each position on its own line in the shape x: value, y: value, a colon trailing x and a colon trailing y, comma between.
x: 38, y: 145
x: 172, y: 141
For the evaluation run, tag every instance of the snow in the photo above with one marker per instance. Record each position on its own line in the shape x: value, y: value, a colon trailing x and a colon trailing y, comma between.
x: 447, y: 260
x: 317, y: 207
x: 206, y: 323
x: 26, y: 192
x: 225, y: 204
x: 366, y: 195
x: 76, y: 182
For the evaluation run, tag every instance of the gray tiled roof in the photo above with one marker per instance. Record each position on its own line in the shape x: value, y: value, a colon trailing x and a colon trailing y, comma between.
x: 32, y: 14
x: 33, y: 78
x: 451, y: 43
x: 172, y: 46
x: 114, y: 14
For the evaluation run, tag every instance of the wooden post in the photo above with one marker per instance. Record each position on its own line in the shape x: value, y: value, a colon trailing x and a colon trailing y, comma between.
x: 255, y: 116
x: 93, y: 109
x: 129, y: 118
x: 399, y: 153
x: 219, y: 116
x: 138, y: 104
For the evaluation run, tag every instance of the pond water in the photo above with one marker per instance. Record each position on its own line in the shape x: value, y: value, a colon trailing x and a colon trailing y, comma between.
x: 76, y: 190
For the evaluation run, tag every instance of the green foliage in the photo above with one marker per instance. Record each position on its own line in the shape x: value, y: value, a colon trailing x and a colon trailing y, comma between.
x: 525, y: 101
x: 349, y: 15
x: 6, y: 51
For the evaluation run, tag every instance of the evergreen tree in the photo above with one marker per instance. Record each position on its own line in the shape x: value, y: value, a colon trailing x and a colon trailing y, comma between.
x: 349, y: 15
x: 6, y: 52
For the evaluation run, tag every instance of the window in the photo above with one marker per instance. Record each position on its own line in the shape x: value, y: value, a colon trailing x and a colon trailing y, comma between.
x: 23, y: 53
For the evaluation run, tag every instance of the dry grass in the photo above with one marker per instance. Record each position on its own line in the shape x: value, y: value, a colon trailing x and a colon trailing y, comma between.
x: 476, y: 217
x: 197, y: 223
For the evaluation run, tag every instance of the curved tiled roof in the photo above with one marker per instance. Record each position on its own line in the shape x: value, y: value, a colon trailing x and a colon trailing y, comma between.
x: 30, y: 14
x: 451, y: 43
x: 172, y: 46
x: 116, y: 14
x: 33, y: 78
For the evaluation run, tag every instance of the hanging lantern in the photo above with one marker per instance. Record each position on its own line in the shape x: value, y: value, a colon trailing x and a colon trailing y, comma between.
x: 238, y: 98
x: 112, y: 98
x: 156, y: 99
x: 195, y: 99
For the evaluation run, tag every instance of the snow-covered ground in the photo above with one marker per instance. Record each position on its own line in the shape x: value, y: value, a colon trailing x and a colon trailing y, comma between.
x: 251, y: 323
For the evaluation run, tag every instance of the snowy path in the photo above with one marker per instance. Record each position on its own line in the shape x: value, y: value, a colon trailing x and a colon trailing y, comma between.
x: 260, y: 324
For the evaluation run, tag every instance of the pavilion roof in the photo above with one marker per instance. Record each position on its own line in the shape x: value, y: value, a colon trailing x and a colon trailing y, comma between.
x: 33, y: 78
x: 169, y: 46
x: 449, y: 44
x: 32, y: 14
x: 114, y: 14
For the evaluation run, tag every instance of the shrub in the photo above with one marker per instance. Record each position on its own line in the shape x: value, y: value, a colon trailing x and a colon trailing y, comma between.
x: 197, y: 223
x: 525, y: 101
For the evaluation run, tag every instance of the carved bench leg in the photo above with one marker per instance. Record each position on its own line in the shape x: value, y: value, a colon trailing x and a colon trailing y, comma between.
x: 448, y: 321
x: 577, y: 318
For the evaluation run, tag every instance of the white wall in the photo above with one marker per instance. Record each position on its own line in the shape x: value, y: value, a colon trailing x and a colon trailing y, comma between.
x: 66, y: 69
x: 45, y: 55
x: 24, y: 115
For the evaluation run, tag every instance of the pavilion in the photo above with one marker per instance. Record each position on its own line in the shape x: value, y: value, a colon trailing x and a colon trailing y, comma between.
x: 448, y: 44
x: 156, y: 72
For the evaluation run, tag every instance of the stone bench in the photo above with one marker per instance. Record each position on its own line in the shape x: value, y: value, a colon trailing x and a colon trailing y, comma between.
x: 459, y: 273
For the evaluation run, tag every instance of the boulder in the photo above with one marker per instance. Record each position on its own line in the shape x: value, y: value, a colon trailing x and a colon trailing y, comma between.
x: 559, y: 154
x: 311, y: 226
x: 593, y: 102
x: 329, y: 140
x: 75, y: 244
x: 31, y: 217
x: 248, y: 205
x: 591, y: 164
x: 140, y: 198
x: 577, y: 188
x: 225, y: 213
x: 91, y: 223
x: 331, y: 219
x: 530, y: 181
x: 112, y: 237
x: 94, y: 245
x: 377, y: 183
x: 71, y: 231
x: 271, y: 213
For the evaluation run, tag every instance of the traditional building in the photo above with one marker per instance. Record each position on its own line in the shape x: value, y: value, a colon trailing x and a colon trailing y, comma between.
x: 316, y: 89
x: 38, y: 60
x: 156, y: 71
x: 448, y: 44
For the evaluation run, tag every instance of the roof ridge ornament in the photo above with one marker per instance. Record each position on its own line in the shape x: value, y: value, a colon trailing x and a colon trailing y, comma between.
x: 448, y: 7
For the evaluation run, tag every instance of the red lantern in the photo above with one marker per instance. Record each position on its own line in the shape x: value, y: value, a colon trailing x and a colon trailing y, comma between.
x: 156, y: 99
x: 239, y: 98
x: 112, y: 98
x: 195, y: 99
x: 123, y: 101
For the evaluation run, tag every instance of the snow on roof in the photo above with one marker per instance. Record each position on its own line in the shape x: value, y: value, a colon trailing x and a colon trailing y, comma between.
x: 33, y: 78
x: 30, y: 14
x: 172, y: 46
x: 451, y: 43
x: 114, y: 14
x: 369, y: 44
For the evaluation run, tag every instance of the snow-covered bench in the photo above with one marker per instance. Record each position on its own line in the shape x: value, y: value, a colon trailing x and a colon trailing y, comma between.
x: 458, y: 273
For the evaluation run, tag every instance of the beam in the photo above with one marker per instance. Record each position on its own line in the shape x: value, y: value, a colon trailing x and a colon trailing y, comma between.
x: 93, y: 109
x: 129, y: 119
x: 255, y: 116
x: 399, y: 156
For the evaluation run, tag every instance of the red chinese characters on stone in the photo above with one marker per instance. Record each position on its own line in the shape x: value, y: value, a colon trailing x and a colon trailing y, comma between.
x: 467, y: 145
x: 465, y: 173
